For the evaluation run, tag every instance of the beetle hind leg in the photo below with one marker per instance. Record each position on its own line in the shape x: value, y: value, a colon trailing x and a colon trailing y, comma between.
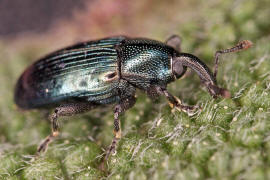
x: 55, y: 132
x: 63, y: 110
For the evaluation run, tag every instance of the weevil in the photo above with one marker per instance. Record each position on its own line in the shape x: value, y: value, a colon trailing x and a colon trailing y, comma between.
x: 88, y: 75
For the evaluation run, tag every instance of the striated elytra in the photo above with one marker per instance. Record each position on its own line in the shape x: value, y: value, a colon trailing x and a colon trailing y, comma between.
x: 108, y: 71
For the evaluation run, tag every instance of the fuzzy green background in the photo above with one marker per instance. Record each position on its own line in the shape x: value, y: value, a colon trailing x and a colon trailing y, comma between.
x: 229, y: 139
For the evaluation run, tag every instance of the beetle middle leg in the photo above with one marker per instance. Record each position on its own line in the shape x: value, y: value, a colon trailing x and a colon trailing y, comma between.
x: 119, y: 108
x: 63, y: 110
x: 175, y: 102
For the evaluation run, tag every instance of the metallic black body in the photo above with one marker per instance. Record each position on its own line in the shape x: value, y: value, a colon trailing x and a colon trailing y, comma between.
x: 101, y: 72
x: 81, y: 77
x: 145, y: 63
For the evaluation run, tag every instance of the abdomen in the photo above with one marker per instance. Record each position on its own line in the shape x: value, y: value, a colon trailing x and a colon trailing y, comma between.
x: 74, y: 73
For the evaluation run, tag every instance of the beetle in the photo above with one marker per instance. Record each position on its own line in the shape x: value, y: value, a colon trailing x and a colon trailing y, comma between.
x: 87, y: 75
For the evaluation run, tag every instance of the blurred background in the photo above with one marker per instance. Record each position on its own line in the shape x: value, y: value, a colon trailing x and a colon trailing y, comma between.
x: 228, y: 140
x: 70, y: 21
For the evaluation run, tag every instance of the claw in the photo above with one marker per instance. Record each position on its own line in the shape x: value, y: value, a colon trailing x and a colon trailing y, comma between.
x: 190, y: 110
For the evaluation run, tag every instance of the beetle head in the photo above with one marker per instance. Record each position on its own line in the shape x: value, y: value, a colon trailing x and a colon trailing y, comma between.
x: 182, y: 60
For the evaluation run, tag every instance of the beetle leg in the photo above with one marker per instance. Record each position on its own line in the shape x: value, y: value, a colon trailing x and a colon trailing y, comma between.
x: 63, y: 110
x: 54, y: 122
x: 245, y: 44
x: 175, y: 102
x: 175, y: 42
x: 120, y: 108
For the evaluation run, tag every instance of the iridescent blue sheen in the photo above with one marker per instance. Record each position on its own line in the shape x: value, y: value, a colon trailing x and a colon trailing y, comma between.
x: 73, y: 73
x: 146, y: 62
x: 96, y: 71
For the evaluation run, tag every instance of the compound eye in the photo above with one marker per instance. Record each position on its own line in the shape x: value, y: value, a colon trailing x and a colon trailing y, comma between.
x: 178, y: 69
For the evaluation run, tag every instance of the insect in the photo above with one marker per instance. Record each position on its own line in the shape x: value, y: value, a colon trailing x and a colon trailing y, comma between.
x: 88, y: 75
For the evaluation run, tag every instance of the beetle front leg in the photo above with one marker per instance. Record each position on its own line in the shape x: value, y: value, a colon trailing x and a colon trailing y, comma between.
x: 175, y: 102
x: 120, y: 108
x: 64, y: 110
